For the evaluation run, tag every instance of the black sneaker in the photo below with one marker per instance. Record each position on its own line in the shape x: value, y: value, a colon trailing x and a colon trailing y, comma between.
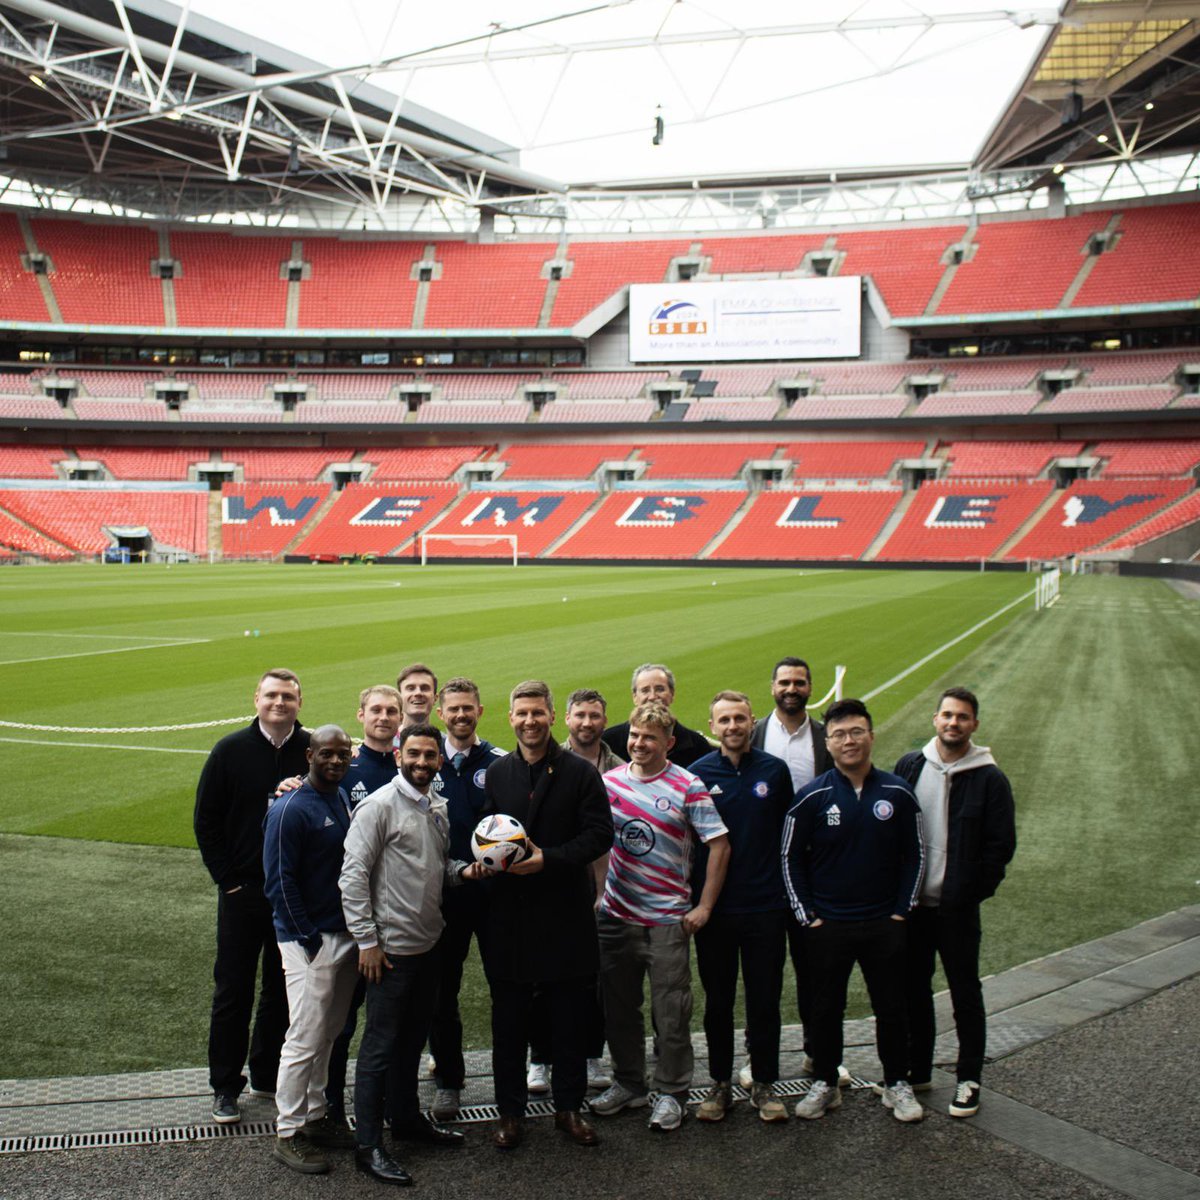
x: 966, y: 1099
x: 225, y: 1109
x: 329, y: 1133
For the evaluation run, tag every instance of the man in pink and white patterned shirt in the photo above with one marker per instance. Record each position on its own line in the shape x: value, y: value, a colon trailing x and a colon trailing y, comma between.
x: 646, y: 918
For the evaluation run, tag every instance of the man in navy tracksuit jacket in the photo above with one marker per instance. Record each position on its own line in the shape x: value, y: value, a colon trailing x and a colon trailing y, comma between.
x: 460, y: 783
x: 752, y: 791
x: 303, y: 842
x: 852, y: 861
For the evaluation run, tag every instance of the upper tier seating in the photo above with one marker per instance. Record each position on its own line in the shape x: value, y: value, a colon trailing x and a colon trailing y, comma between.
x: 747, y: 381
x: 111, y: 385
x: 857, y: 378
x: 849, y: 460
x: 369, y: 518
x: 702, y: 460
x: 313, y: 412
x: 602, y: 268
x: 20, y: 296
x: 978, y: 404
x: 230, y: 281
x: 17, y: 383
x: 906, y: 269
x: 1150, y: 261
x: 29, y: 462
x: 760, y: 254
x: 285, y: 463
x: 560, y: 462
x: 102, y: 269
x: 955, y: 521
x: 1157, y: 457
x: 350, y: 385
x: 483, y: 387
x: 809, y: 525
x: 168, y: 463
x: 731, y: 410
x: 1086, y: 400
x: 654, y: 525
x: 40, y: 408
x: 1175, y: 516
x: 996, y: 374
x: 1091, y: 511
x: 16, y: 538
x: 838, y: 408
x: 1021, y: 265
x: 1148, y: 367
x: 493, y: 286
x: 464, y: 412
x: 131, y: 411
x: 537, y: 519
x: 606, y: 385
x: 421, y: 462
x: 231, y: 385
x: 77, y: 517
x: 1015, y: 460
x: 597, y: 411
x: 259, y: 520
x: 360, y: 285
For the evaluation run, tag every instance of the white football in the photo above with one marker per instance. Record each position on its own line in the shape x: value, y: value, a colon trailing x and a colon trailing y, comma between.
x: 498, y: 842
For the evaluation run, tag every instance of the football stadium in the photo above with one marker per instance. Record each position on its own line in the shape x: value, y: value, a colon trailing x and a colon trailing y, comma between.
x: 539, y: 343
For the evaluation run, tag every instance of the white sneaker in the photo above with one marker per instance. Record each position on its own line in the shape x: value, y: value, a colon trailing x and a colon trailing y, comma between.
x: 617, y: 1097
x: 598, y: 1075
x: 900, y: 1099
x: 667, y: 1114
x: 818, y: 1100
x: 538, y: 1079
x: 745, y: 1076
x: 430, y: 1067
x: 844, y: 1077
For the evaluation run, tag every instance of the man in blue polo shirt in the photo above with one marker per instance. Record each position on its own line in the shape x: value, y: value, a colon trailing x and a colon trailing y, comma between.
x: 303, y: 842
x: 752, y: 791
x: 852, y: 863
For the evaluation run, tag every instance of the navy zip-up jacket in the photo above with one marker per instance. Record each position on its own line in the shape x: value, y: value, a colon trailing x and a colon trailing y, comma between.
x: 851, y: 858
x: 369, y: 770
x: 753, y: 798
x: 304, y: 838
x: 464, y: 794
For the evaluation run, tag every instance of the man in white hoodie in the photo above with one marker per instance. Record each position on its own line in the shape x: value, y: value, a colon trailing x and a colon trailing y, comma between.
x: 970, y: 835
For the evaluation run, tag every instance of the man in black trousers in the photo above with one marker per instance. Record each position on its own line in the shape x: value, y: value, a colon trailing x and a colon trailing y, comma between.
x: 541, y: 926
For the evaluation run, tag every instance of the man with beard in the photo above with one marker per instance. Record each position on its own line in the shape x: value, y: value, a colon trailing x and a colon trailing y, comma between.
x: 970, y: 837
x: 752, y: 792
x: 541, y: 934
x: 460, y: 784
x: 303, y: 841
x: 238, y: 779
x: 655, y: 683
x: 396, y: 863
x: 587, y: 717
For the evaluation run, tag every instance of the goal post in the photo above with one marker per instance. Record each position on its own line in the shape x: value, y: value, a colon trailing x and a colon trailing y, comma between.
x: 476, y: 539
x: 1046, y: 590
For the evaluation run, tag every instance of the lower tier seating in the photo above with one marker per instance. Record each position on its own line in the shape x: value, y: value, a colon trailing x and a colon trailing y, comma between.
x: 259, y: 520
x: 369, y: 518
x: 537, y: 519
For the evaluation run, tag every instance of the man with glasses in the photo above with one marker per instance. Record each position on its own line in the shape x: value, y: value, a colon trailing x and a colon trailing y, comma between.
x: 852, y: 864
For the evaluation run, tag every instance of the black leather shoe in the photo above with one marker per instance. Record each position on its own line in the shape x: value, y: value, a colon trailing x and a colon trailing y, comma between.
x: 377, y: 1163
x: 509, y: 1133
x: 421, y: 1129
x: 577, y: 1127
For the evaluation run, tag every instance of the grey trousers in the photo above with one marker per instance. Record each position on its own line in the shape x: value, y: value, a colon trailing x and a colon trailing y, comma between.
x: 628, y: 954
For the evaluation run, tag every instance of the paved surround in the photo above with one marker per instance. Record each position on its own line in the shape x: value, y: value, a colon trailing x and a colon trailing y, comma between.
x: 1029, y: 1004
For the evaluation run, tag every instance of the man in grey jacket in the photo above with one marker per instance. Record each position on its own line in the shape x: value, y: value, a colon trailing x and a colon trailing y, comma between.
x: 970, y: 835
x: 397, y: 860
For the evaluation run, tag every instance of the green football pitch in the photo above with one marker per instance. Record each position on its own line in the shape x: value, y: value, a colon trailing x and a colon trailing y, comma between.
x: 1088, y: 706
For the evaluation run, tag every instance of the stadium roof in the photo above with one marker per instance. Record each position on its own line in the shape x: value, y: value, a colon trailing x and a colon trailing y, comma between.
x: 140, y: 107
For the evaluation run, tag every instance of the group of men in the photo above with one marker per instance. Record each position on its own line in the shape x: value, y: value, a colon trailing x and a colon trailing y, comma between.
x: 348, y: 873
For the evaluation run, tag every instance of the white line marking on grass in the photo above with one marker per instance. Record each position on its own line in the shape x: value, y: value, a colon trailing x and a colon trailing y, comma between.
x: 98, y: 746
x: 883, y: 687
x: 115, y: 637
x: 9, y: 662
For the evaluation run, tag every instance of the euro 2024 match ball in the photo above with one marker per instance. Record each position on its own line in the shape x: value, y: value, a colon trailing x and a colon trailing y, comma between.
x: 498, y: 842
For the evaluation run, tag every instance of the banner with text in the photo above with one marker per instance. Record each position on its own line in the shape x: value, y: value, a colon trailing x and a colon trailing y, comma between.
x: 763, y: 319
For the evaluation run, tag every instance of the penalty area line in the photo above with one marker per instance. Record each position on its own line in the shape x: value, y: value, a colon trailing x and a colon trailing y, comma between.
x: 883, y: 687
x: 99, y: 746
x: 11, y: 662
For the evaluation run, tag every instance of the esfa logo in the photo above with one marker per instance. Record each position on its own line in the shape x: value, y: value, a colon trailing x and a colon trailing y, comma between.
x: 677, y: 317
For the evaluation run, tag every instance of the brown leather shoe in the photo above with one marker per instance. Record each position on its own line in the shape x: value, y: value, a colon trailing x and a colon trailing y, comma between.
x: 509, y: 1133
x: 577, y: 1127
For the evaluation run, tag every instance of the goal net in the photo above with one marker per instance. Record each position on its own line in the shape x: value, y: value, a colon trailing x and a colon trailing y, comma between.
x: 505, y: 545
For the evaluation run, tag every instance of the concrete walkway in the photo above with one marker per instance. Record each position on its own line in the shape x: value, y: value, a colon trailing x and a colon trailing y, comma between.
x: 1091, y: 1093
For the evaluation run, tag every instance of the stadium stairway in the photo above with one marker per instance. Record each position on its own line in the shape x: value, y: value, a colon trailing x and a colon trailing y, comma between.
x: 1034, y: 517
x: 576, y: 526
x: 216, y: 529
x: 730, y: 525
x: 318, y: 515
x: 889, y: 526
x: 38, y: 534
